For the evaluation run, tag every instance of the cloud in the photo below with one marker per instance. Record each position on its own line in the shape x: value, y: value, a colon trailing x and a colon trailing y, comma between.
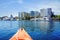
x: 20, y: 1
x: 6, y: 4
x: 54, y: 5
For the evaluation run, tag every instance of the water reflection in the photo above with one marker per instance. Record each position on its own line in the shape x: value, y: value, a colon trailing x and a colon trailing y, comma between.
x: 44, y: 26
x: 38, y: 30
x: 34, y: 25
x: 19, y: 24
x: 51, y: 26
x: 11, y: 22
x: 31, y: 26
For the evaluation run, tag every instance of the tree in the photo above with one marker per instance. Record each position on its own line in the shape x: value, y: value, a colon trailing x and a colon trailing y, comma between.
x: 59, y: 17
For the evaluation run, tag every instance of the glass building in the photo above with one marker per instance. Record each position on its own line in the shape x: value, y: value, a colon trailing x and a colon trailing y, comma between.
x: 34, y: 13
x: 46, y: 12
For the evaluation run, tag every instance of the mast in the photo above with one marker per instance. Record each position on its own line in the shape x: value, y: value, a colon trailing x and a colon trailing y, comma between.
x: 21, y: 23
x: 23, y: 20
x: 19, y: 15
x: 35, y: 16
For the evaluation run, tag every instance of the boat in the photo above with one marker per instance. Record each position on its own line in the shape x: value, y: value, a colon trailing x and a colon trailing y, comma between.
x: 21, y: 35
x: 40, y: 19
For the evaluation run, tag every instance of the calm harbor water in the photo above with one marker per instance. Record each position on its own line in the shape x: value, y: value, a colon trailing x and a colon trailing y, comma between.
x: 38, y: 30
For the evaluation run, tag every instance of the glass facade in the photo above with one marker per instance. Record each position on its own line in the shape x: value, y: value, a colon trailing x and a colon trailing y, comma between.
x: 46, y: 12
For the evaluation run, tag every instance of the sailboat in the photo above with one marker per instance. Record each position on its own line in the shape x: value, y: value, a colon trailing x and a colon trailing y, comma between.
x: 21, y: 35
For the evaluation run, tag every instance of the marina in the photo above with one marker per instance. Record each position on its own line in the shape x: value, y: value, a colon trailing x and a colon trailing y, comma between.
x: 29, y: 20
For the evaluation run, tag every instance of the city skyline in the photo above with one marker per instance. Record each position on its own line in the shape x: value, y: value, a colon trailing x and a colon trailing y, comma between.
x: 8, y: 7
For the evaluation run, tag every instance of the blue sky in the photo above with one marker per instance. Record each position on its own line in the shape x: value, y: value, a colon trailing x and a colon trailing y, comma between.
x: 8, y: 7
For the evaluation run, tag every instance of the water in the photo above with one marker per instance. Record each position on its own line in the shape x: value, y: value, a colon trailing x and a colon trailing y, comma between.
x: 39, y: 30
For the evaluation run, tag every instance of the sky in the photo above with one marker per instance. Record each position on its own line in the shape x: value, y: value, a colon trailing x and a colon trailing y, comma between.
x: 8, y: 7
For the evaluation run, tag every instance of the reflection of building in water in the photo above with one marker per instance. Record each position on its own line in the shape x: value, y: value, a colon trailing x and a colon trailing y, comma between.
x: 44, y: 25
x: 11, y: 23
x: 34, y: 25
x: 50, y: 29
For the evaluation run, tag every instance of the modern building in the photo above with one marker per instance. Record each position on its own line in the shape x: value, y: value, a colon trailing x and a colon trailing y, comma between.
x: 23, y: 15
x: 34, y: 13
x: 46, y: 12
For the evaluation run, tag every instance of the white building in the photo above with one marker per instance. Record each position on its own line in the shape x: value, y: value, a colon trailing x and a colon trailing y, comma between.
x: 46, y: 12
x: 22, y: 15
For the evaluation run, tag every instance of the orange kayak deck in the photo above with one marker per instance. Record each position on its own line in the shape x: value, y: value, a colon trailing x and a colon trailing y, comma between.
x: 21, y: 35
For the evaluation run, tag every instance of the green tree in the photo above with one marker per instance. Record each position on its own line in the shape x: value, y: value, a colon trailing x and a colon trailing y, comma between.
x: 59, y: 17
